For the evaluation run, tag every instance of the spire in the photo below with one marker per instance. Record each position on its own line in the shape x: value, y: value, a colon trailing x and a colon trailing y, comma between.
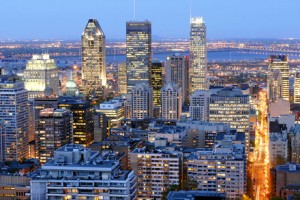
x: 93, y: 28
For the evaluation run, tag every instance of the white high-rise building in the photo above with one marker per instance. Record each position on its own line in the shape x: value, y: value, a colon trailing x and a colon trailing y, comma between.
x: 14, y: 117
x: 171, y: 101
x: 141, y: 101
x: 198, y: 55
x: 177, y: 71
x: 79, y: 173
x: 199, y: 104
x: 41, y: 77
x: 222, y: 170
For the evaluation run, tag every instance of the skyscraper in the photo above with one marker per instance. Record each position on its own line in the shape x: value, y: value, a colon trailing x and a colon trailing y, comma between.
x: 171, y: 101
x: 83, y: 115
x: 54, y: 130
x: 177, y: 71
x: 122, y: 81
x: 138, y: 53
x: 93, y: 59
x: 297, y: 87
x: 14, y: 117
x: 199, y: 104
x: 41, y: 77
x: 156, y: 74
x: 198, y: 55
x: 141, y: 101
x: 278, y: 64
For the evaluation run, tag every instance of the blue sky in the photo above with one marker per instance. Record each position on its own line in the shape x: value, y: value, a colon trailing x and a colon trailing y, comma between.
x: 225, y: 19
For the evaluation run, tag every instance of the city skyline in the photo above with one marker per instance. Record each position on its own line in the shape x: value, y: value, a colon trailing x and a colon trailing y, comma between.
x: 225, y: 20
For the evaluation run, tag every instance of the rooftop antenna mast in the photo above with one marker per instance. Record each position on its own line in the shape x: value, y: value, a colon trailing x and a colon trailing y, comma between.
x: 190, y: 10
x: 134, y: 10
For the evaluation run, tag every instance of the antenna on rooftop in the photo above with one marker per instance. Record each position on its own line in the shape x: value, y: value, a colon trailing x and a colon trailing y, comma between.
x: 134, y: 10
x: 190, y: 9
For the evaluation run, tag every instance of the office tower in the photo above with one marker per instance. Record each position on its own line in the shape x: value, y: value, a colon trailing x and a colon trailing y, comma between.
x: 141, y: 101
x: 177, y: 71
x: 35, y: 106
x: 114, y: 111
x: 199, y: 104
x: 138, y: 53
x: 171, y: 101
x: 14, y: 117
x: 229, y: 105
x: 41, y: 77
x: 297, y: 87
x: 122, y: 81
x: 80, y: 173
x: 93, y: 59
x: 156, y: 171
x: 221, y: 170
x: 278, y: 78
x: 156, y: 74
x: 54, y: 130
x: 83, y: 115
x: 198, y: 55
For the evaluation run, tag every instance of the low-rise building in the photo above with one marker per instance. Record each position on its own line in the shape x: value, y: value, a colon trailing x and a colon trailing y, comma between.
x: 79, y: 173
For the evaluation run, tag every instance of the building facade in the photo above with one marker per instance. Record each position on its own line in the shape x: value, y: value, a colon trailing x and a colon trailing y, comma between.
x: 141, y: 101
x: 198, y: 55
x: 83, y: 116
x: 54, y: 130
x: 199, y: 105
x: 171, y: 101
x: 122, y: 80
x: 138, y: 53
x: 156, y: 172
x: 79, y: 173
x: 93, y: 59
x: 14, y: 117
x: 222, y: 170
x: 41, y: 77
x: 278, y: 78
x: 297, y: 87
x: 156, y: 74
x: 177, y: 71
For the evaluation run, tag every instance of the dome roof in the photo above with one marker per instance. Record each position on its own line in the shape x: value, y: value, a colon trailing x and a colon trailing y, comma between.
x: 71, y: 84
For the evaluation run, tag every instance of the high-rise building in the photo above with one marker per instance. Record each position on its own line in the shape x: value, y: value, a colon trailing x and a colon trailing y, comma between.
x: 41, y: 77
x: 297, y: 87
x: 156, y: 74
x: 83, y: 116
x: 199, y: 105
x: 54, y: 130
x: 156, y: 171
x: 221, y: 170
x: 198, y: 55
x: 14, y: 117
x: 171, y: 101
x: 93, y: 59
x: 138, y: 53
x: 122, y: 81
x: 80, y: 173
x: 114, y: 112
x: 141, y: 101
x: 295, y: 145
x: 177, y: 71
x: 278, y: 77
x: 230, y: 106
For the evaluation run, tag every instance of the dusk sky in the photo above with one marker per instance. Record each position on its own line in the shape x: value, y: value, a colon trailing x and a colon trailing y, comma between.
x: 225, y: 19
